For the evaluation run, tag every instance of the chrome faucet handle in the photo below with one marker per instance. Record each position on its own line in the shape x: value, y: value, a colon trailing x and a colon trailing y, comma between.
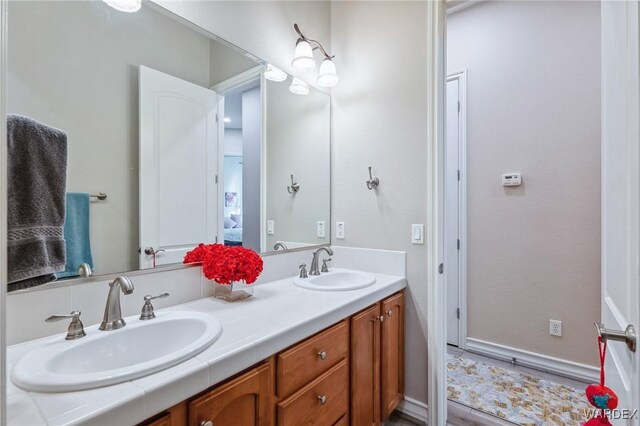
x: 325, y: 268
x: 76, y: 328
x: 147, y: 312
x: 303, y: 271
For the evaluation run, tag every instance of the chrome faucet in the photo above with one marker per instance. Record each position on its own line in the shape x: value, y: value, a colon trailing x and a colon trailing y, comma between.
x: 278, y: 245
x: 112, y: 313
x: 314, y: 270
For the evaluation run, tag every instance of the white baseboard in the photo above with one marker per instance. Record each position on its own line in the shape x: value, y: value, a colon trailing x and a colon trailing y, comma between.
x: 557, y: 366
x: 414, y: 408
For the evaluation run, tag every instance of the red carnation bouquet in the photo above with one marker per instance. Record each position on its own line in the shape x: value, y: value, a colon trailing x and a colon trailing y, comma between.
x: 226, y: 264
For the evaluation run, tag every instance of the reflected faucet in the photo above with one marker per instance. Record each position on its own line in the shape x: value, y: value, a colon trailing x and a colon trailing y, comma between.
x: 112, y: 313
x: 280, y: 245
x: 314, y: 270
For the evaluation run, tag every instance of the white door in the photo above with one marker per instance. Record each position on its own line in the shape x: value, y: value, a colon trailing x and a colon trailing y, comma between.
x: 178, y: 167
x: 621, y: 195
x: 452, y: 211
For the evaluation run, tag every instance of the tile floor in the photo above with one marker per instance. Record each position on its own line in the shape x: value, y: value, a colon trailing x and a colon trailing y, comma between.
x: 460, y: 414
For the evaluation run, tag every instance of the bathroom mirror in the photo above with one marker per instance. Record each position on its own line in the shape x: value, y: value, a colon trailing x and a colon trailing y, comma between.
x: 174, y: 136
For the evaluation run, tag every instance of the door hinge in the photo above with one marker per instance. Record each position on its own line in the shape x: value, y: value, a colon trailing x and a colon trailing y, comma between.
x: 458, y: 106
x: 458, y: 175
x: 458, y: 243
x: 458, y: 313
x: 441, y: 268
x: 217, y: 117
x: 216, y: 179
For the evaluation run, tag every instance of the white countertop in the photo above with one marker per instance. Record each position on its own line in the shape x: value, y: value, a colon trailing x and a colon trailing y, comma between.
x: 278, y: 315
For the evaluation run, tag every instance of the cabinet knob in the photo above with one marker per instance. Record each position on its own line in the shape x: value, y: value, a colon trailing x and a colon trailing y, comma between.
x: 322, y: 399
x: 322, y: 355
x: 389, y: 313
x: 207, y: 423
x: 381, y: 318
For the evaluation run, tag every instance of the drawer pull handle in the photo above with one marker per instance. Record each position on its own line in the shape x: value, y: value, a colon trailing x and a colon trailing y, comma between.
x: 207, y: 423
x: 322, y: 399
x: 322, y: 355
x: 389, y: 313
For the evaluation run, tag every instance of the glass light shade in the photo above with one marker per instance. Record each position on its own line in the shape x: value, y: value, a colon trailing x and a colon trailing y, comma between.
x: 299, y: 87
x: 303, y: 57
x: 274, y: 74
x: 327, y: 77
x: 125, y: 5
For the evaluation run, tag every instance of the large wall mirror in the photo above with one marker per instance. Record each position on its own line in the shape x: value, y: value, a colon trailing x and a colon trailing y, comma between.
x: 174, y: 137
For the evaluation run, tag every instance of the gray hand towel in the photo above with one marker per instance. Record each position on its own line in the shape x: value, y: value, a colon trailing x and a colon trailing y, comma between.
x: 36, y: 187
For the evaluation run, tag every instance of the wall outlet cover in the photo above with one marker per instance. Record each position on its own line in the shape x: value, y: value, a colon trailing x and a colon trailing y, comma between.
x: 340, y: 230
x: 320, y: 232
x: 555, y: 328
x: 271, y: 227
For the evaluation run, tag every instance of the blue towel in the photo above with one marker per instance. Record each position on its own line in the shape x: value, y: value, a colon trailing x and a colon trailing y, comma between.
x: 76, y: 234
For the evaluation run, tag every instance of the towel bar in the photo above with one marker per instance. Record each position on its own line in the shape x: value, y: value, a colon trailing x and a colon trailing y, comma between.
x: 100, y: 196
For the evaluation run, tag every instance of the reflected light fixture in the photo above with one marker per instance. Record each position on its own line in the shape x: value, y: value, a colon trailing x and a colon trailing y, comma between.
x: 299, y: 87
x: 227, y: 120
x: 303, y: 60
x: 274, y: 74
x: 125, y: 5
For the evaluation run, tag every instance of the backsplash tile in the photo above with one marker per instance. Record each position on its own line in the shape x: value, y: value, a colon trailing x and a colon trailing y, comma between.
x: 27, y: 311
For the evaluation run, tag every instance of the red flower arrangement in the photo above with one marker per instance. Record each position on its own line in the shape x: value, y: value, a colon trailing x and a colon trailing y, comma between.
x: 225, y: 264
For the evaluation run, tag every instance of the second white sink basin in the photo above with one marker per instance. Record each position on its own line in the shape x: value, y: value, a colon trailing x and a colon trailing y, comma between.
x: 108, y: 357
x: 337, y: 280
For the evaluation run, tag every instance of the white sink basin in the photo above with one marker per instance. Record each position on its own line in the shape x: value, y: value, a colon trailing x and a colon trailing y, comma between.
x: 336, y: 280
x: 108, y: 357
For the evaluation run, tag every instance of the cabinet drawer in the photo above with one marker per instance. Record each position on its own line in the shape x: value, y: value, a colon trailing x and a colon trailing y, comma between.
x: 305, y: 407
x: 304, y: 362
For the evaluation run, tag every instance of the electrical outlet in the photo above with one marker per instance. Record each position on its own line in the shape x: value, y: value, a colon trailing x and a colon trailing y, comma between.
x: 320, y: 229
x: 340, y: 230
x: 271, y: 227
x: 555, y: 328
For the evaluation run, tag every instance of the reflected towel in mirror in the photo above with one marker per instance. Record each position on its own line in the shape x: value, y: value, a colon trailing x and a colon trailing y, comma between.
x: 36, y: 186
x: 76, y: 234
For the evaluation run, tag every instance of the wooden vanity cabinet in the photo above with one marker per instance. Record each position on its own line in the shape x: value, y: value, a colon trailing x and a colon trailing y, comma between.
x: 351, y: 373
x: 377, y: 361
x: 246, y: 400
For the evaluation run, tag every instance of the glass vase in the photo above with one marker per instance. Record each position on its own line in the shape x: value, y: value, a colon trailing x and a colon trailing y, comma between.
x: 237, y: 290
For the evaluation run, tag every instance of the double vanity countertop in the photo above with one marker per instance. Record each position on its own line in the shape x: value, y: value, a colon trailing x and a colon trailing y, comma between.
x: 278, y: 315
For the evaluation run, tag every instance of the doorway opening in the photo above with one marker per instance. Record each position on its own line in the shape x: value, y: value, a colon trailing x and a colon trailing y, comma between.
x: 522, y: 209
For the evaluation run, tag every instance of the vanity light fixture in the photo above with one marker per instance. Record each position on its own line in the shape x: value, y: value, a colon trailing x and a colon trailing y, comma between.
x: 299, y: 87
x: 125, y: 5
x: 303, y: 60
x: 274, y: 74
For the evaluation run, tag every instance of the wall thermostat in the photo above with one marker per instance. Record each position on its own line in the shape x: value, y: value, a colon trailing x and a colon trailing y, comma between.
x: 512, y: 179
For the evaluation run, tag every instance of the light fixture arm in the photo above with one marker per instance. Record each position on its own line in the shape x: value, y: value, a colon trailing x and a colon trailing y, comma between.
x: 308, y: 40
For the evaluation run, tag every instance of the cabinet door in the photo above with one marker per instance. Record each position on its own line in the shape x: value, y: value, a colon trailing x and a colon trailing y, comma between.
x: 365, y: 367
x: 392, y: 354
x: 246, y: 401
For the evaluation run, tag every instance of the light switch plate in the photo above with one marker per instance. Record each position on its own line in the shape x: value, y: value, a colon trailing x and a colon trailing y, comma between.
x: 417, y: 233
x: 340, y: 230
x: 271, y: 227
x: 320, y: 229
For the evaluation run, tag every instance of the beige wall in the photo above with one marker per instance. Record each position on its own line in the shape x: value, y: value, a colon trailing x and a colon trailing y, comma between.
x: 379, y: 119
x: 533, y: 107
x: 96, y: 101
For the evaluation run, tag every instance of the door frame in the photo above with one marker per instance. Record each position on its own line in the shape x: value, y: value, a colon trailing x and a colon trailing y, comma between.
x: 221, y: 88
x: 436, y: 291
x: 461, y: 76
